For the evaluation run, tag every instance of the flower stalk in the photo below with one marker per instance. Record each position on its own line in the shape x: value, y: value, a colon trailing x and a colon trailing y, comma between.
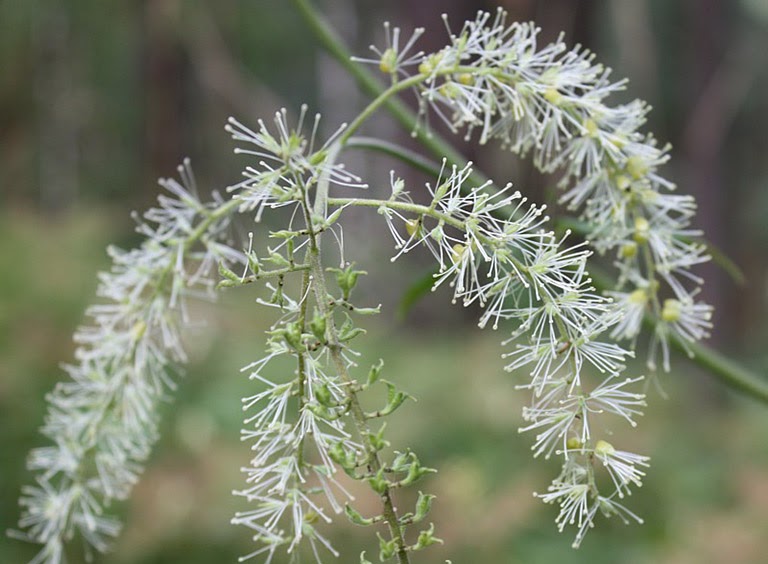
x: 493, y: 250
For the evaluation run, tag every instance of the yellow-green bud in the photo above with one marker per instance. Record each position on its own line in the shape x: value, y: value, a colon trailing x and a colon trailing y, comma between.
x: 623, y: 182
x: 628, y: 250
x: 573, y: 443
x: 639, y: 296
x: 637, y: 167
x: 449, y: 90
x: 429, y: 64
x: 466, y: 79
x: 604, y: 448
x: 412, y: 226
x: 591, y: 127
x: 671, y: 311
x: 138, y: 330
x: 641, y: 230
x: 553, y: 96
x: 388, y: 63
x: 457, y: 251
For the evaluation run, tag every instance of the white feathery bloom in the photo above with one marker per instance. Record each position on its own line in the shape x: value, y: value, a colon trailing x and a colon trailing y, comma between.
x: 285, y: 155
x: 574, y: 503
x: 684, y: 318
x: 621, y: 465
x: 611, y: 397
x: 103, y: 420
x: 553, y: 424
x: 393, y: 59
x: 494, y: 77
x: 632, y: 307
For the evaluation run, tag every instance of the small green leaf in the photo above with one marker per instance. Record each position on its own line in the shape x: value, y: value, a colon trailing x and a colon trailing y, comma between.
x: 318, y: 326
x: 421, y: 287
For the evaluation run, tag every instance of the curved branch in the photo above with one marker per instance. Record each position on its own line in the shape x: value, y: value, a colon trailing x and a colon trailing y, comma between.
x: 726, y: 370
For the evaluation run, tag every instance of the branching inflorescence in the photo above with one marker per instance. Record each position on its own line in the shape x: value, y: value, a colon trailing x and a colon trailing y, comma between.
x: 308, y: 431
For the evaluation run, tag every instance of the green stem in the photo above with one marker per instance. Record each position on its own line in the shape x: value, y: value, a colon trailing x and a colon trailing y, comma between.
x: 301, y: 369
x: 418, y: 209
x: 437, y: 145
x: 335, y: 347
x: 726, y: 370
x: 412, y: 158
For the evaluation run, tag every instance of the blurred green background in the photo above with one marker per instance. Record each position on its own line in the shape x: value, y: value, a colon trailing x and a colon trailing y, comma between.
x: 97, y: 99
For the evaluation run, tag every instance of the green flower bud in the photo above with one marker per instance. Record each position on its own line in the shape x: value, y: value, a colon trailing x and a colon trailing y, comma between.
x: 642, y: 228
x: 671, y: 311
x: 427, y: 538
x: 465, y: 78
x: 386, y: 548
x: 553, y: 96
x: 604, y: 448
x: 378, y: 482
x: 388, y: 63
x: 318, y: 326
x: 423, y: 505
x: 412, y: 226
x: 628, y: 250
x: 637, y: 167
x: 573, y: 443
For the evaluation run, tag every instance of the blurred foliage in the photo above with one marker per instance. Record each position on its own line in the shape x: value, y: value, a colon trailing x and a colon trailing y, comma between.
x: 99, y: 98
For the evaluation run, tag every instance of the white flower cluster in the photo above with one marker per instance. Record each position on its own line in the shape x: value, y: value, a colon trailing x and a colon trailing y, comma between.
x: 515, y: 270
x: 495, y: 78
x: 289, y: 158
x: 291, y: 472
x: 103, y: 420
x: 291, y: 463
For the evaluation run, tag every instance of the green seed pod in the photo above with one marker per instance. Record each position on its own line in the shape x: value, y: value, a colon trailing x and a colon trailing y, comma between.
x: 318, y: 326
x: 356, y: 518
x: 386, y: 548
x: 423, y: 505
